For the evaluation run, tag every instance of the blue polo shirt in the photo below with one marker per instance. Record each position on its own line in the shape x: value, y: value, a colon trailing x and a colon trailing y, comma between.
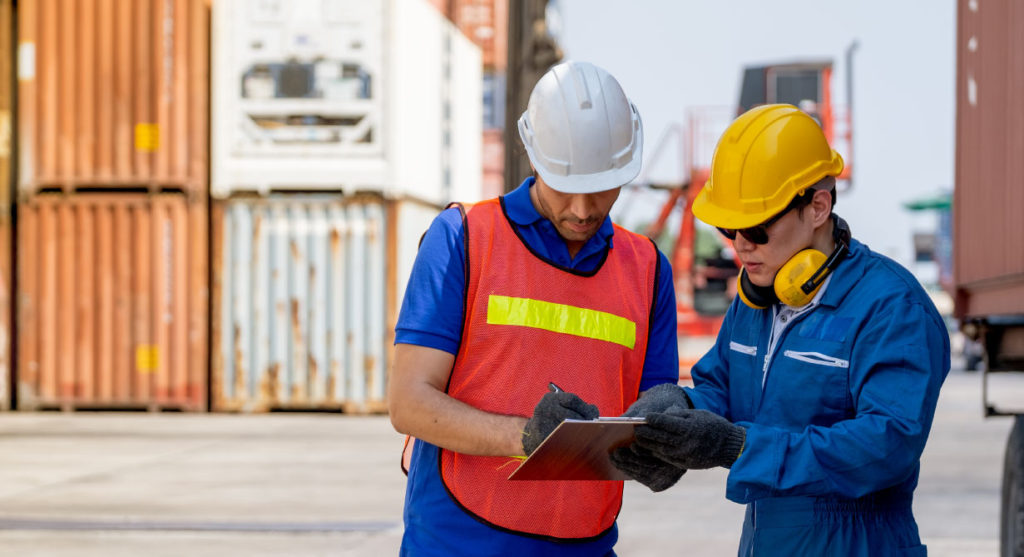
x: 432, y: 315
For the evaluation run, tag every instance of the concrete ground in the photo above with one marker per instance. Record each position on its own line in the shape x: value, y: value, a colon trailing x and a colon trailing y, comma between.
x: 315, y: 484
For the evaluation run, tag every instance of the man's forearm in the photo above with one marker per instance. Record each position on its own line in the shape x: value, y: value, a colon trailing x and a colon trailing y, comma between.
x: 420, y: 407
x: 436, y: 418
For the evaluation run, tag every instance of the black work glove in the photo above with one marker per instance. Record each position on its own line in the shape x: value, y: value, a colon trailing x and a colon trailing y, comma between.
x: 641, y: 465
x: 549, y: 412
x: 659, y: 399
x: 692, y: 439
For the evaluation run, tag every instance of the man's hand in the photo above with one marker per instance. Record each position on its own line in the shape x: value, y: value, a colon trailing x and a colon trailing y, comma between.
x: 549, y: 412
x: 659, y: 399
x: 692, y: 439
x: 641, y: 465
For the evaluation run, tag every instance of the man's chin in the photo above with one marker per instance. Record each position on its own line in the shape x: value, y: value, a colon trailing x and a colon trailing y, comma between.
x: 573, y: 235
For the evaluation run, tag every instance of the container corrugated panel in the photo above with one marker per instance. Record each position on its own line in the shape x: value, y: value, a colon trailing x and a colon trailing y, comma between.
x: 301, y: 289
x: 989, y: 193
x: 113, y: 94
x: 112, y: 302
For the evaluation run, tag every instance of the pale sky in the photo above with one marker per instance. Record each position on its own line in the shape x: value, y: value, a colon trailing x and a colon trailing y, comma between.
x: 674, y: 54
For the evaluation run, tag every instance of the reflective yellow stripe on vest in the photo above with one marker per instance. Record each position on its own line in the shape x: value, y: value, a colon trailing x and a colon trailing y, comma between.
x: 561, y: 318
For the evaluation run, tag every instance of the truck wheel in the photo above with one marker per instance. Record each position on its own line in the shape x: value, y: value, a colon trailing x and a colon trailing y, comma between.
x: 1012, y: 514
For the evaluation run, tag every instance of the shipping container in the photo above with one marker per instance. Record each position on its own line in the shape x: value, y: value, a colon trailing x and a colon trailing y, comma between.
x: 113, y: 95
x: 989, y: 194
x: 462, y: 153
x: 112, y: 302
x: 344, y: 96
x: 409, y: 222
x: 306, y: 294
x: 485, y: 22
x: 988, y: 231
x: 494, y: 164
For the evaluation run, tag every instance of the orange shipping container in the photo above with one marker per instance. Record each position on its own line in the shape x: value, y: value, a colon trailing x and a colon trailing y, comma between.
x: 112, y: 302
x: 988, y: 258
x: 113, y: 94
x: 485, y: 22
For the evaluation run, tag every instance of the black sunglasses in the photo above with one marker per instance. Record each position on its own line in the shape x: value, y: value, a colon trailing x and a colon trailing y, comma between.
x: 759, y: 234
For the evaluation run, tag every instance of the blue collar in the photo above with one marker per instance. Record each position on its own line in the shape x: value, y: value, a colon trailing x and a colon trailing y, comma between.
x: 846, y: 275
x: 521, y: 211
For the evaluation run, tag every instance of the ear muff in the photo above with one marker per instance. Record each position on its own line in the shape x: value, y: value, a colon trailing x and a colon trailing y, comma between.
x: 800, y: 278
x: 791, y: 280
x: 757, y: 297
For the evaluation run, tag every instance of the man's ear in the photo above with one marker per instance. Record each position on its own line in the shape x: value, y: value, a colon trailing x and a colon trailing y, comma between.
x: 821, y: 207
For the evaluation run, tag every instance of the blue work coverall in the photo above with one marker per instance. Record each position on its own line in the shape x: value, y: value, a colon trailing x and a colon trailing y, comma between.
x: 837, y: 413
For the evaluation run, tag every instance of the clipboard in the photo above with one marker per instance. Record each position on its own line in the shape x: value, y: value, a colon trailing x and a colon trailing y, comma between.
x: 578, y: 450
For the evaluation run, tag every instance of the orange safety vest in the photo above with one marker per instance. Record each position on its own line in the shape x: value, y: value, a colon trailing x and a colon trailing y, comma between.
x: 529, y: 322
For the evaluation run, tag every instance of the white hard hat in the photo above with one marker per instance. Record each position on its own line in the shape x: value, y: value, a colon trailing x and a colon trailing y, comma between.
x: 580, y: 131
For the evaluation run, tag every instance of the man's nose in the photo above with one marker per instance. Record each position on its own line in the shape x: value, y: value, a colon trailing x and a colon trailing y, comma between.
x: 581, y: 206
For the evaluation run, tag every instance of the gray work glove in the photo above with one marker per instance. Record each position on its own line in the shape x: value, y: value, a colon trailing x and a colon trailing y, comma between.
x: 641, y: 465
x: 659, y: 399
x: 549, y: 412
x: 692, y: 439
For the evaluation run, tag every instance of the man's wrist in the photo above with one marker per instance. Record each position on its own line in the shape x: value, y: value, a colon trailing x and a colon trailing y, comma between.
x: 515, y: 444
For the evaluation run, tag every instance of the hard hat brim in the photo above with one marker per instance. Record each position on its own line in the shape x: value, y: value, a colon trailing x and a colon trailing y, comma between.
x: 715, y: 215
x: 591, y: 183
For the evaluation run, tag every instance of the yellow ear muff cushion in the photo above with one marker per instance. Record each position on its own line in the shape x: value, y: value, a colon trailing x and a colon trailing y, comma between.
x: 798, y: 270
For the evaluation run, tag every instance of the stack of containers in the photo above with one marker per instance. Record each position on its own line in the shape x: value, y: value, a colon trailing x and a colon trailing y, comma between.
x: 485, y: 22
x: 112, y: 204
x: 340, y: 128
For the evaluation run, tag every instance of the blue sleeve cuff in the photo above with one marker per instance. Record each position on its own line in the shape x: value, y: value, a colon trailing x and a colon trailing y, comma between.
x: 754, y: 474
x: 428, y: 340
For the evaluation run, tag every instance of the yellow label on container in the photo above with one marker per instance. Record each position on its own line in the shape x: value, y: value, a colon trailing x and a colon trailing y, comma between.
x: 147, y: 137
x: 147, y: 358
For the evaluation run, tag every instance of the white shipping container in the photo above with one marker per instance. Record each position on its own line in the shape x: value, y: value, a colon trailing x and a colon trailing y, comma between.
x: 300, y: 304
x: 306, y: 291
x: 412, y: 219
x: 344, y: 95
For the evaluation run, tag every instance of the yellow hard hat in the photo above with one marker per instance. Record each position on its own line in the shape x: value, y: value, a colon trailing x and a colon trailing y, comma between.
x: 765, y: 158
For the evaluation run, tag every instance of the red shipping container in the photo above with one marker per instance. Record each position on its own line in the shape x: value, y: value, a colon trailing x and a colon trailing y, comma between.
x: 113, y: 94
x: 112, y: 302
x: 988, y: 258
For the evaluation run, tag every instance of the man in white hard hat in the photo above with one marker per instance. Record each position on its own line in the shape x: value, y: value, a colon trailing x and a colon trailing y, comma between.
x: 523, y: 311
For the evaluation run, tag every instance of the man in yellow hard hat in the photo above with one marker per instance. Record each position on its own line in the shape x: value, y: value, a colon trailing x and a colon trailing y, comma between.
x: 820, y: 391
